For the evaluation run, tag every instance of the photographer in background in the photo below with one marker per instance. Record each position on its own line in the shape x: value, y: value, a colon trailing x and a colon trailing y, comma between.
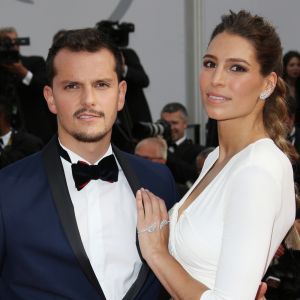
x: 14, y: 144
x: 182, y: 152
x: 134, y: 73
x: 26, y: 75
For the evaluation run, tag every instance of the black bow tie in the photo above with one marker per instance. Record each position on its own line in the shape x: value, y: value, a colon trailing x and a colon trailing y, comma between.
x: 107, y: 170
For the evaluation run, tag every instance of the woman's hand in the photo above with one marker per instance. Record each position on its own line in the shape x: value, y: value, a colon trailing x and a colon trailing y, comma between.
x: 152, y: 224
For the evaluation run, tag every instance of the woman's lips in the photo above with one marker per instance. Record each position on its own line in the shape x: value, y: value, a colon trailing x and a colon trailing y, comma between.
x: 215, y: 98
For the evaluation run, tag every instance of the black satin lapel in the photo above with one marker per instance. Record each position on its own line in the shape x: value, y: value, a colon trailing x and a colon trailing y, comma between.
x: 128, y: 171
x: 135, y: 186
x: 60, y: 192
x: 138, y: 284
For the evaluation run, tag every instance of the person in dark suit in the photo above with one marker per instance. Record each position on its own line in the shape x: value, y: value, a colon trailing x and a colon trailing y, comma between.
x: 293, y: 134
x: 134, y: 74
x: 156, y: 149
x: 14, y: 144
x: 293, y: 127
x: 28, y: 77
x: 137, y: 80
x: 182, y: 152
x: 67, y: 222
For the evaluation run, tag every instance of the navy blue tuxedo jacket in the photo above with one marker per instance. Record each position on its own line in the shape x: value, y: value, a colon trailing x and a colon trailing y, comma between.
x: 41, y: 254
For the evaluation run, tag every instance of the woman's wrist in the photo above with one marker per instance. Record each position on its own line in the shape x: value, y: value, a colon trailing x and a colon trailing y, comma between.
x: 157, y: 257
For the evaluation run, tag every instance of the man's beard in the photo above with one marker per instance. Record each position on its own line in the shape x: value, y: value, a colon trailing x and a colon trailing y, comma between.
x: 86, y: 138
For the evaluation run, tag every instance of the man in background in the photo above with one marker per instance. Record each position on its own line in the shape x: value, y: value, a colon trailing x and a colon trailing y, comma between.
x: 152, y: 148
x: 14, y: 144
x: 182, y: 152
x: 156, y: 150
x: 26, y: 77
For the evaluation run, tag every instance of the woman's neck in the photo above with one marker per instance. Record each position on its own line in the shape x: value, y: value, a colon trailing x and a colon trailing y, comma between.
x: 234, y: 136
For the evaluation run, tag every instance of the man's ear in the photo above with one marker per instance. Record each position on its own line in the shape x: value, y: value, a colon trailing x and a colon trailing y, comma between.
x: 185, y: 124
x: 122, y: 93
x: 48, y: 94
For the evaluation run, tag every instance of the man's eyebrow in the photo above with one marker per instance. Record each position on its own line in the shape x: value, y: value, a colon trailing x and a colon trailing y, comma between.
x: 104, y: 79
x: 69, y: 81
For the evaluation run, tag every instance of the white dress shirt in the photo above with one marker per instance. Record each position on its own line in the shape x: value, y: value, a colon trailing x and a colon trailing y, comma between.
x: 178, y: 142
x: 27, y: 79
x: 106, y: 217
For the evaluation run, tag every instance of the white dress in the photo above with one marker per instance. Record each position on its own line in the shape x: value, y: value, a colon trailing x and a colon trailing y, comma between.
x: 227, y: 237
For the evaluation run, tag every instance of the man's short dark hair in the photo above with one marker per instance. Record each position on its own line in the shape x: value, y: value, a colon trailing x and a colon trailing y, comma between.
x: 175, y: 107
x: 87, y: 39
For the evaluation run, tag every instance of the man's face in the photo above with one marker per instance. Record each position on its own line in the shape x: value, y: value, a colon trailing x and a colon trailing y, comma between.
x: 13, y: 36
x: 177, y: 122
x: 85, y: 95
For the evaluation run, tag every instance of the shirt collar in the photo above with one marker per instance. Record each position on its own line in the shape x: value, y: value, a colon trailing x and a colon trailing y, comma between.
x: 75, y: 157
x: 5, y: 138
x: 180, y: 141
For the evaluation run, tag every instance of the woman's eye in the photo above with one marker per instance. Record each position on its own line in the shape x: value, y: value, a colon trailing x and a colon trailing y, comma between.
x: 209, y: 64
x: 238, y: 68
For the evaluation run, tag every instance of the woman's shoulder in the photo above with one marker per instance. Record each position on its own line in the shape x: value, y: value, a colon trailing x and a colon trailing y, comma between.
x: 267, y: 150
x: 265, y: 155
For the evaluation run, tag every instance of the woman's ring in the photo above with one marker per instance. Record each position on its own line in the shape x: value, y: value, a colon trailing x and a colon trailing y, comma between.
x: 150, y: 228
x: 163, y: 223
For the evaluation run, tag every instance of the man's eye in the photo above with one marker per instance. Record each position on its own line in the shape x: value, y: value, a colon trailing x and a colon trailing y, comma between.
x: 209, y: 64
x: 238, y: 68
x: 101, y: 84
x: 71, y: 86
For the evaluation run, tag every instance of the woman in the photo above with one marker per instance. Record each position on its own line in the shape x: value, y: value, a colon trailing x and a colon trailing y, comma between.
x: 226, y: 229
x: 291, y: 75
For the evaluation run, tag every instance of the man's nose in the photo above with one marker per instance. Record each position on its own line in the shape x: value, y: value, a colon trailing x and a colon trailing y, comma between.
x: 88, y: 97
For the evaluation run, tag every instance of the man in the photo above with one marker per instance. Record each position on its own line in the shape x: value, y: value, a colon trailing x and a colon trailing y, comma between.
x: 27, y: 76
x: 64, y: 233
x: 182, y: 152
x: 152, y: 148
x: 14, y: 144
x: 156, y: 150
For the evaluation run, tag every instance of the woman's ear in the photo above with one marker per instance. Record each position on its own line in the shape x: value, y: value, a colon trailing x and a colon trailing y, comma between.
x: 269, y: 86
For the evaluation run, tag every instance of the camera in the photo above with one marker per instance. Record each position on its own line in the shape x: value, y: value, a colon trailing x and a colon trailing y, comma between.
x: 8, y: 53
x: 142, y: 130
x: 118, y: 32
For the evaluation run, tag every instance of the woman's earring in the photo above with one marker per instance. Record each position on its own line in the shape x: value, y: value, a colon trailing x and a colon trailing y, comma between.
x: 265, y: 94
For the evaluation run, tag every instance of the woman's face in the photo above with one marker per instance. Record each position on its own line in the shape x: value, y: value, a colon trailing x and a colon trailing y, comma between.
x: 230, y: 79
x: 293, y: 68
